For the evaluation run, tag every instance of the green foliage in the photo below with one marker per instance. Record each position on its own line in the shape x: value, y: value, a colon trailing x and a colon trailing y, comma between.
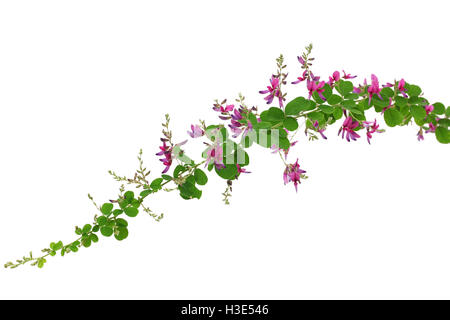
x: 344, y: 87
x: 439, y: 108
x: 106, y: 231
x: 290, y: 124
x: 156, y: 184
x: 200, y: 177
x: 418, y: 113
x: 413, y: 90
x: 393, y: 117
x: 298, y: 105
x: 443, y: 134
x: 131, y: 211
x: 107, y: 208
x: 229, y: 172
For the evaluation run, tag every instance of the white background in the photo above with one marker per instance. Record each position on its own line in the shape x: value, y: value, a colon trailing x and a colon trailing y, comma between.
x: 85, y: 84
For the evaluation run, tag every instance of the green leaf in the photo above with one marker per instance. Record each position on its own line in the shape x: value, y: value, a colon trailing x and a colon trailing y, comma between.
x: 200, y: 177
x: 129, y: 196
x: 393, y: 117
x: 106, y: 231
x: 401, y: 101
x: 93, y: 238
x: 447, y: 112
x: 102, y: 220
x: 107, y: 208
x: 338, y: 113
x: 284, y: 143
x: 444, y: 122
x: 166, y: 177
x: 87, y: 228
x: 316, y: 116
x: 145, y: 193
x: 290, y: 124
x: 179, y: 169
x: 326, y: 109
x: 414, y: 91
x: 275, y: 114
x: 122, y: 233
x: 442, y: 135
x: 387, y: 92
x: 86, y: 242
x: 117, y: 212
x: 439, y: 108
x: 298, y: 105
x: 58, y: 246
x: 41, y: 263
x: 344, y: 87
x: 121, y: 222
x: 156, y: 184
x: 131, y: 212
x: 418, y: 112
x: 228, y: 173
x: 334, y: 99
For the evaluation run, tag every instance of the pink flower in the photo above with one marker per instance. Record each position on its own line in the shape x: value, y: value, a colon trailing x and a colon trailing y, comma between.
x: 273, y: 90
x: 293, y: 173
x: 388, y: 107
x: 348, y: 127
x: 241, y: 170
x: 371, y: 127
x: 166, y: 152
x: 316, y: 125
x: 348, y: 76
x: 401, y: 87
x: 429, y: 109
x: 302, y: 78
x: 431, y: 129
x: 214, y: 154
x: 374, y: 88
x: 196, y: 131
x: 314, y: 86
x: 420, y: 135
x: 223, y: 109
x: 334, y: 78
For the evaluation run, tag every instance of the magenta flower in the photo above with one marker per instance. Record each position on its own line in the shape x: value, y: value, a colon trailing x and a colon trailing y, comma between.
x: 166, y: 152
x: 236, y: 126
x: 314, y: 86
x: 357, y: 90
x: 420, y: 135
x: 429, y: 109
x: 348, y: 76
x: 334, y: 78
x: 316, y: 125
x: 293, y: 173
x: 374, y: 88
x: 302, y: 78
x: 273, y: 91
x: 223, y: 109
x: 348, y: 128
x: 431, y: 129
x: 196, y: 131
x: 388, y: 107
x: 371, y: 127
x: 214, y: 154
x: 401, y: 87
x: 241, y: 170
